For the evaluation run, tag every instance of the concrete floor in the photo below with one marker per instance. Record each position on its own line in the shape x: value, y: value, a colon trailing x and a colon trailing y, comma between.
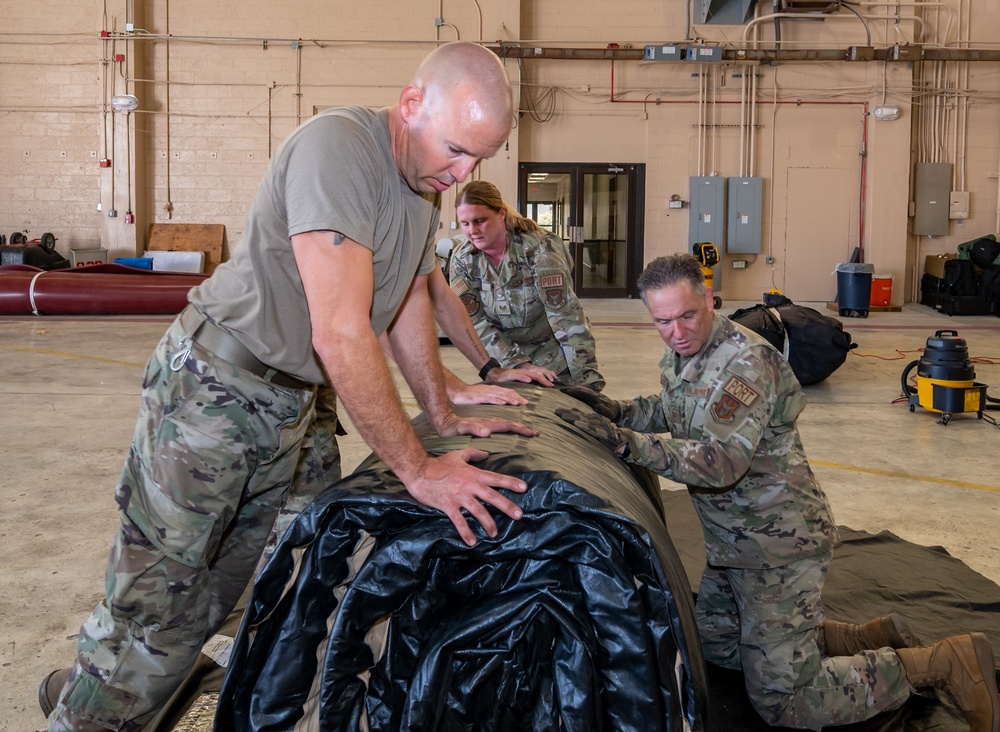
x: 68, y: 398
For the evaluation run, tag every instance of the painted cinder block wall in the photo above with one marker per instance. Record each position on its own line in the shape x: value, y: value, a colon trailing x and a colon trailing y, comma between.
x: 221, y: 85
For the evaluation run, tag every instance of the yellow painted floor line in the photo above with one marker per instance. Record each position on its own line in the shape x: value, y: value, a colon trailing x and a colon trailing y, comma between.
x: 922, y: 478
x: 72, y: 355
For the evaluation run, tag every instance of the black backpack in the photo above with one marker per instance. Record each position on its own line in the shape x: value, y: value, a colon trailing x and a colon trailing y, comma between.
x: 960, y: 277
x: 991, y: 283
x: 814, y: 344
x: 985, y: 252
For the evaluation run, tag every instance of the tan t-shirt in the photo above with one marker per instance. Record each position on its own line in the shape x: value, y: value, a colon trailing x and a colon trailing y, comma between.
x: 334, y: 173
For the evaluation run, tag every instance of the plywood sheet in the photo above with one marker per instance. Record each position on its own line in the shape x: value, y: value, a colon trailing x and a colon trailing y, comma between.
x: 206, y: 238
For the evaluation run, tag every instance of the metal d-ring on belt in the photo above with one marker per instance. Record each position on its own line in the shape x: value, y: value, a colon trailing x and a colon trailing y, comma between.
x: 229, y: 348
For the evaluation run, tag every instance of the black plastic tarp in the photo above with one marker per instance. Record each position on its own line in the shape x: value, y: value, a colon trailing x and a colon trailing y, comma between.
x: 871, y: 575
x: 373, y: 614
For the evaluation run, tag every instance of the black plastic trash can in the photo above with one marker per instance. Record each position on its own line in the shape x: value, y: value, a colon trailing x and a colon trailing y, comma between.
x: 854, y: 288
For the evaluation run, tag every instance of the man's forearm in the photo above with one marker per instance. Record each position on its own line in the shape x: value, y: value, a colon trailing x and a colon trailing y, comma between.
x: 415, y: 348
x: 455, y: 321
x: 467, y: 342
x: 365, y: 386
x: 643, y: 414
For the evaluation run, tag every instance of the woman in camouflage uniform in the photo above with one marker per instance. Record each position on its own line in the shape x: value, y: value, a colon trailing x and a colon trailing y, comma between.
x: 516, y: 283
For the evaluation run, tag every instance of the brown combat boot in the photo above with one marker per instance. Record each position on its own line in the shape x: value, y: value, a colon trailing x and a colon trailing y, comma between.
x: 847, y: 639
x: 963, y: 667
x: 50, y: 688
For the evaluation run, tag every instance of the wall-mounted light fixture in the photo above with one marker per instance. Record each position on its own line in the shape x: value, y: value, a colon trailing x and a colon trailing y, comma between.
x: 124, y: 102
x: 886, y: 112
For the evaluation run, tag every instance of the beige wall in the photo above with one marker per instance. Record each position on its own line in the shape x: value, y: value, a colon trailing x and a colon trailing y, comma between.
x: 234, y: 79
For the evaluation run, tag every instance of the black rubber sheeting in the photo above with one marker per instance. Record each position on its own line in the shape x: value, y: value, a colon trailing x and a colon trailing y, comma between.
x: 373, y: 614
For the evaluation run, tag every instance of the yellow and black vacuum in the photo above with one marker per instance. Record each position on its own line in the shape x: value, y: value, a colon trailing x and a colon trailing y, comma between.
x: 708, y: 254
x: 946, y: 380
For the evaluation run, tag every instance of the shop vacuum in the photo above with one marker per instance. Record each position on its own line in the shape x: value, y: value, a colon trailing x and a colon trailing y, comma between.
x: 946, y: 381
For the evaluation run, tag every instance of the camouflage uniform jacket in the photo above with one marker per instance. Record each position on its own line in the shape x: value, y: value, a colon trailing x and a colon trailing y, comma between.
x: 525, y: 310
x: 730, y: 411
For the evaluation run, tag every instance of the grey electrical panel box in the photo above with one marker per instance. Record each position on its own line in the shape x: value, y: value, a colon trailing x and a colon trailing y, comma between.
x: 707, y: 213
x: 931, y: 199
x: 743, y: 220
x: 703, y: 54
x: 663, y: 52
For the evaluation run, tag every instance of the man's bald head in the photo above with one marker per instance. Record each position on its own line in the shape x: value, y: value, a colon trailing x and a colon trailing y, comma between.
x: 456, y: 112
x: 465, y: 76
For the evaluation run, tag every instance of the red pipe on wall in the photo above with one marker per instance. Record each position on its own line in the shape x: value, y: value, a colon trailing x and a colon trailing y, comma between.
x: 99, y: 289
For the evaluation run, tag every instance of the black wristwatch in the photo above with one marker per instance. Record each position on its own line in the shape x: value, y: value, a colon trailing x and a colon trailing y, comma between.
x: 626, y: 451
x: 487, y: 367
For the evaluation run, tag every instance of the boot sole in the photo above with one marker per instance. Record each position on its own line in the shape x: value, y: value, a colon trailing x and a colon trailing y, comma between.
x: 43, y: 694
x: 984, y: 655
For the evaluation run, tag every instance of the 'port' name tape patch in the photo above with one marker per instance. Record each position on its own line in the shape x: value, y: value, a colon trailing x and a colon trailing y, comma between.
x: 741, y: 391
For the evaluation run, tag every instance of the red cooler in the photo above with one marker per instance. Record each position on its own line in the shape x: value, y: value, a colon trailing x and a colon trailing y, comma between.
x: 881, y: 290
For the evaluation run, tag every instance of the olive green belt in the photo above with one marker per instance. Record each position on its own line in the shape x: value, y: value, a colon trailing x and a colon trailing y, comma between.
x: 229, y: 348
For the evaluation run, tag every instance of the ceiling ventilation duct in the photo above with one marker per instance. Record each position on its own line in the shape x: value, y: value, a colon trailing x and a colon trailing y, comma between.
x: 738, y: 12
x: 723, y: 12
x: 808, y: 6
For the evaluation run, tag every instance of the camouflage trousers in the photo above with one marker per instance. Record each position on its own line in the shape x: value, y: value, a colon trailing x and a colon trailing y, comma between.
x: 764, y: 622
x: 318, y: 466
x: 215, y: 460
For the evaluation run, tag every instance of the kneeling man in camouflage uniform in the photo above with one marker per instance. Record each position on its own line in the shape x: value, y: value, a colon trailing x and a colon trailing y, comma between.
x: 729, y: 402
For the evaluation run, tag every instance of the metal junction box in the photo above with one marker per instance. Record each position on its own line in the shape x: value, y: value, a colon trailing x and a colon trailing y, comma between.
x: 663, y: 52
x: 743, y: 222
x: 704, y: 54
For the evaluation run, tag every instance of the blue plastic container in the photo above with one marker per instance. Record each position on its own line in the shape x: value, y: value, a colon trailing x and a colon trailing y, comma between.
x: 137, y: 262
